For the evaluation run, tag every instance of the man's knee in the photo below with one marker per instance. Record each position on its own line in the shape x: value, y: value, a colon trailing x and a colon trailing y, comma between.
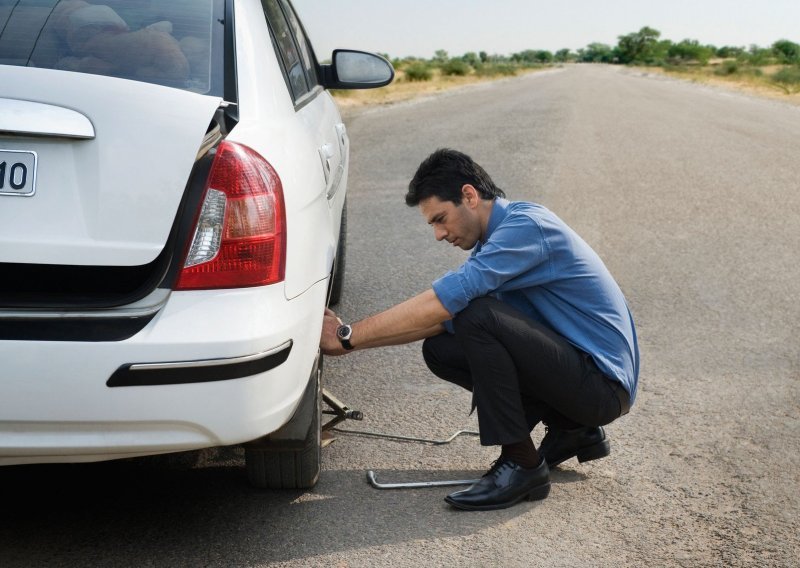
x: 445, y: 358
x: 477, y: 313
x: 437, y: 351
x: 429, y: 351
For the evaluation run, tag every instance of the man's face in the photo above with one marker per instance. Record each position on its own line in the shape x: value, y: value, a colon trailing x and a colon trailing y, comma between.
x: 459, y: 224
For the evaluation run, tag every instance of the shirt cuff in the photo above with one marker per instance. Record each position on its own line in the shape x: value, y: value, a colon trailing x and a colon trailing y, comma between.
x: 451, y: 293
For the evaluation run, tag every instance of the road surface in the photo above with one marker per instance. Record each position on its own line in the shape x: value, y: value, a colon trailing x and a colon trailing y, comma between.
x: 690, y: 194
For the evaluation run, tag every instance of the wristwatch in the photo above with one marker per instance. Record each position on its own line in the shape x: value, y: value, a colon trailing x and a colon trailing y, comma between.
x: 344, y: 332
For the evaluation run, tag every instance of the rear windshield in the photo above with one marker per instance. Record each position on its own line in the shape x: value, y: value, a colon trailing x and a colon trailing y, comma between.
x: 177, y: 43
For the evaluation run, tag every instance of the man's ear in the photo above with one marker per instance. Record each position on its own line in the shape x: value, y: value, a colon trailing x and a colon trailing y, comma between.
x: 470, y: 195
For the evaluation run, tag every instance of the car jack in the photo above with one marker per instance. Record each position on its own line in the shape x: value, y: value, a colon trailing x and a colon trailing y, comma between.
x: 339, y: 410
x: 340, y: 413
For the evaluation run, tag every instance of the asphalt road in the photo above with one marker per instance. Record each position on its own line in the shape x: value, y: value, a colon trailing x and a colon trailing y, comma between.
x: 690, y: 194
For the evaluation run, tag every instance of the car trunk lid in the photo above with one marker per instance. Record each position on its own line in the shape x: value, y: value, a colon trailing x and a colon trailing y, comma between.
x: 110, y: 173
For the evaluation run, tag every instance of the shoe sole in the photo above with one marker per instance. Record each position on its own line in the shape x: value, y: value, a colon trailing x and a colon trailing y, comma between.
x: 535, y: 494
x: 589, y: 453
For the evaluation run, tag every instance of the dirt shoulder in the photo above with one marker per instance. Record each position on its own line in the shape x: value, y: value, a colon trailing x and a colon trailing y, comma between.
x: 748, y: 85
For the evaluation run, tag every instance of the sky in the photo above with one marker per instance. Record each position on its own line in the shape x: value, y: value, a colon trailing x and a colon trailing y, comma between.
x: 403, y: 28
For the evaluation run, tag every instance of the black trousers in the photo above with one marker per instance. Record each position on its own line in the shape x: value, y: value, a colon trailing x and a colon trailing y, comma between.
x: 521, y: 373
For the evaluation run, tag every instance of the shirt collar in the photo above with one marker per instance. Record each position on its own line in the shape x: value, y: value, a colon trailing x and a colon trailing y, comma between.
x: 497, y: 215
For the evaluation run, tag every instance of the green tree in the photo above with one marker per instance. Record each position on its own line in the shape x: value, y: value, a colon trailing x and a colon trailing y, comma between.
x: 787, y: 51
x: 563, y: 55
x: 641, y: 47
x: 527, y: 56
x: 440, y: 57
x: 532, y: 56
x: 729, y: 51
x: 596, y: 53
x: 471, y: 58
x: 690, y: 50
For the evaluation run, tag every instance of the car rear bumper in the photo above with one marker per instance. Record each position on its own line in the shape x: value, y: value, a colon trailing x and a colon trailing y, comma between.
x: 59, y: 403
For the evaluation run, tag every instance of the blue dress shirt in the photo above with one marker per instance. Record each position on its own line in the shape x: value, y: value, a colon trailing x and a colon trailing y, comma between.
x: 534, y: 262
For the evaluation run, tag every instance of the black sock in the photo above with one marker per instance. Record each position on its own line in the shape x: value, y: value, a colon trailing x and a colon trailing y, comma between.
x: 522, y: 453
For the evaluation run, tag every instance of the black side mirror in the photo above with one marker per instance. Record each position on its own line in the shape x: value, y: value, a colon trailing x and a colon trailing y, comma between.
x: 356, y: 70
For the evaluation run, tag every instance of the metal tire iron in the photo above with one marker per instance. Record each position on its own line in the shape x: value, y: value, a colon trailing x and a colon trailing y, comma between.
x: 341, y: 412
x: 416, y: 484
x: 372, y: 479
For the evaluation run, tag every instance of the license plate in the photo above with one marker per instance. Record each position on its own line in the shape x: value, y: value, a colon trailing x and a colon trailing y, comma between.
x: 17, y: 172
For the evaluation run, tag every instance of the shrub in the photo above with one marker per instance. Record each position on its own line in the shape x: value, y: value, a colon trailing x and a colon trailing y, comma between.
x: 788, y: 79
x: 690, y: 50
x: 758, y: 56
x: 729, y: 51
x: 789, y: 75
x: 494, y: 69
x: 419, y: 72
x: 727, y: 68
x: 456, y: 67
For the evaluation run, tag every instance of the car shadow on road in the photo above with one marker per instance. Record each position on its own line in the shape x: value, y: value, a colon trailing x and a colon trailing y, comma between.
x: 142, y: 513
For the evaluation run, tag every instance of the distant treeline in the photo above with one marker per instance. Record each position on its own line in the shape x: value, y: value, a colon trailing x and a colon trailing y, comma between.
x: 644, y: 47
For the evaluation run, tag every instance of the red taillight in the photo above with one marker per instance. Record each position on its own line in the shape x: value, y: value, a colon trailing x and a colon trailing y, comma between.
x: 240, y: 235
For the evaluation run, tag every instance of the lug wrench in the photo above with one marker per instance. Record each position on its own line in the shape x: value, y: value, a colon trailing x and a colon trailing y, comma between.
x: 407, y: 438
x: 372, y: 479
x: 416, y: 484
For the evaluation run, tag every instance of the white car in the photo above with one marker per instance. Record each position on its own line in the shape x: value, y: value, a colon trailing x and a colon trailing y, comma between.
x: 172, y: 187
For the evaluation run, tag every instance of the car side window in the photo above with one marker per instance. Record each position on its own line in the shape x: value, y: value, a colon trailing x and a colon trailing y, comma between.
x: 287, y: 48
x: 306, y: 52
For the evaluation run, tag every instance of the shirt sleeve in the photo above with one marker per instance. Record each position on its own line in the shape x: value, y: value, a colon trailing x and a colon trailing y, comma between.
x: 515, y: 252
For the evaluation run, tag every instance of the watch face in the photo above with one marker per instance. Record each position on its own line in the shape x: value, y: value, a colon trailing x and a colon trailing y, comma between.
x: 344, y: 332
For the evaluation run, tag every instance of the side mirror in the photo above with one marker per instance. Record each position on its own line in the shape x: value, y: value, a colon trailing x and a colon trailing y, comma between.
x: 357, y: 70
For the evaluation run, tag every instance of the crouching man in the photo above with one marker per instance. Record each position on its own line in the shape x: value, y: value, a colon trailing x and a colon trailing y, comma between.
x: 533, y: 324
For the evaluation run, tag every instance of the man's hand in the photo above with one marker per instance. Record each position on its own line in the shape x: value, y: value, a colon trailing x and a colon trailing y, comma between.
x: 329, y: 342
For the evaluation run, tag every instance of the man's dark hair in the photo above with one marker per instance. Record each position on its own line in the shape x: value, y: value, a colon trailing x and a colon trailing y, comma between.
x: 444, y: 173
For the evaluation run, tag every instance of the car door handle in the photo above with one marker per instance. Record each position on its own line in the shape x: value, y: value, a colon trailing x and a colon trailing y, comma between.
x: 326, y: 156
x: 341, y: 134
x: 343, y: 146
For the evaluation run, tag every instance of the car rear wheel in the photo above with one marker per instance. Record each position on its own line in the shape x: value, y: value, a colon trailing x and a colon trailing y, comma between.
x: 295, y: 468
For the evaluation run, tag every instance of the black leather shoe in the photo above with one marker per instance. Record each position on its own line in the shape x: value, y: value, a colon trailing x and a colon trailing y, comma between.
x: 586, y: 443
x: 504, y: 485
